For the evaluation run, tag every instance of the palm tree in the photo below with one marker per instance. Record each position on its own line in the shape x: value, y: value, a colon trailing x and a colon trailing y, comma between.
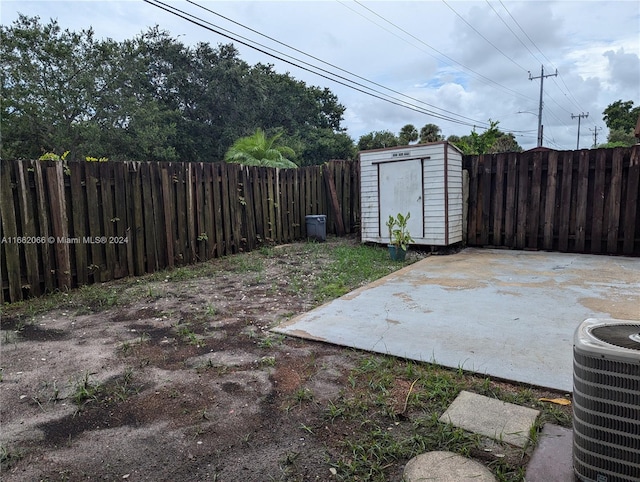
x: 430, y: 133
x: 260, y: 150
x: 407, y: 135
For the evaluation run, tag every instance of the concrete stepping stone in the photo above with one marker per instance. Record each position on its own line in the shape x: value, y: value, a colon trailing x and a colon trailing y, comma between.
x: 493, y: 418
x: 552, y: 458
x: 445, y: 467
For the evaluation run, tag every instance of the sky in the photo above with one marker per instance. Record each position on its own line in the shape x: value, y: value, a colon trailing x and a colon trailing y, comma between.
x: 453, y: 63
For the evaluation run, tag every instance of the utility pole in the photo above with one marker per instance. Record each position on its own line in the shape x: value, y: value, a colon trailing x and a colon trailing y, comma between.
x: 579, y: 116
x: 541, y: 77
x: 595, y: 135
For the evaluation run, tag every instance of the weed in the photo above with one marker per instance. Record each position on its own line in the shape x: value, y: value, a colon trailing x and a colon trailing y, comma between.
x: 85, y: 391
x: 270, y: 341
x: 190, y: 336
x: 303, y: 394
x: 117, y: 390
x: 244, y: 263
x: 125, y: 348
x: 8, y: 457
x: 182, y: 273
x: 268, y: 361
x: 210, y: 310
x: 98, y: 297
x: 306, y: 428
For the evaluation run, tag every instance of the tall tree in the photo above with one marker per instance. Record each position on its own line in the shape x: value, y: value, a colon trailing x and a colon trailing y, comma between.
x: 430, y: 133
x: 150, y: 98
x: 48, y: 86
x: 621, y: 118
x: 407, y: 135
x: 621, y: 115
x: 377, y: 140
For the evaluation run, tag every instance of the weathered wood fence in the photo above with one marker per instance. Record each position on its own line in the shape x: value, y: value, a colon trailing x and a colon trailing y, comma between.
x: 66, y: 225
x: 572, y: 201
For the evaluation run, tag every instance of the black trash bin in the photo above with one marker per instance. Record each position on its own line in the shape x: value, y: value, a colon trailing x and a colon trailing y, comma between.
x: 316, y: 227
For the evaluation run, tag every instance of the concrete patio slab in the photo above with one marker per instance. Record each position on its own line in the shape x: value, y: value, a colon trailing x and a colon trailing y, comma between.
x: 492, y: 418
x: 507, y: 314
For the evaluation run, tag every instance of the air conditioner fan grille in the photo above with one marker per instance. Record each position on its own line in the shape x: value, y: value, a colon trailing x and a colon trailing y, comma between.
x: 624, y: 336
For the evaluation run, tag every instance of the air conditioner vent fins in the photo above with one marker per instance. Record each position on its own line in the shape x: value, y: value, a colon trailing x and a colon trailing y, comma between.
x: 606, y: 401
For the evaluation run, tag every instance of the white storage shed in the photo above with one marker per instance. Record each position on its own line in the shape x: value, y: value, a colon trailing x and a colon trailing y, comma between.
x: 424, y: 180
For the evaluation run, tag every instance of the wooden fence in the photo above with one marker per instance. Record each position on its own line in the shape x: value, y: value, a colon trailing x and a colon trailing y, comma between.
x: 66, y: 225
x: 572, y: 201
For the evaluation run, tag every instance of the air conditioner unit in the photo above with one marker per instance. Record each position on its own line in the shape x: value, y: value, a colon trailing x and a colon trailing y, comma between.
x: 606, y: 401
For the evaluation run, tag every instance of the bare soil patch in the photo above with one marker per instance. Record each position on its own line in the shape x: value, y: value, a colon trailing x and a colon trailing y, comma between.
x: 179, y: 379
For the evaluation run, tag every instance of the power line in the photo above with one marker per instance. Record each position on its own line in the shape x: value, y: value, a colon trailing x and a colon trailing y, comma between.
x: 478, y: 75
x: 323, y: 72
x: 576, y: 103
x: 328, y: 63
x: 485, y: 38
x: 511, y: 30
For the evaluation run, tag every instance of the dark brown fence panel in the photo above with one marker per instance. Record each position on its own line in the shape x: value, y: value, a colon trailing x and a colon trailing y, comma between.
x: 631, y: 224
x: 27, y: 215
x: 574, y: 201
x: 103, y: 221
x: 10, y: 247
x: 550, y: 204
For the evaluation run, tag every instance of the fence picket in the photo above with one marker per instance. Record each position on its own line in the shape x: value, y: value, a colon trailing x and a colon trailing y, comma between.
x: 10, y: 232
x: 550, y: 205
x: 631, y: 204
x: 29, y: 230
x: 614, y: 202
x: 522, y: 202
x: 533, y: 216
x: 497, y: 209
x: 598, y: 196
x: 581, y: 204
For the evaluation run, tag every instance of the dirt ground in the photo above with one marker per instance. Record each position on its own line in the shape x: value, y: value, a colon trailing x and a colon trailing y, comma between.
x: 178, y: 380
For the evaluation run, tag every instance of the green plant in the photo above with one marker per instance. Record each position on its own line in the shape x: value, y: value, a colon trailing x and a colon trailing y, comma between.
x: 268, y: 361
x: 399, y: 235
x: 85, y: 391
x: 303, y: 395
x: 270, y: 341
x: 8, y: 457
x: 188, y: 335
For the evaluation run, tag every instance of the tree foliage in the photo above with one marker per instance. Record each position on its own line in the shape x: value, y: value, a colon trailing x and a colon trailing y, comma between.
x: 151, y: 98
x: 430, y: 133
x: 621, y: 115
x: 491, y: 141
x: 260, y: 150
x: 377, y: 140
x: 407, y: 135
x: 621, y: 118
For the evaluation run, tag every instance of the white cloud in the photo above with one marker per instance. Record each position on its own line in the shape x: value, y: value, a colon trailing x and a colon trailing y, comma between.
x: 625, y: 70
x: 594, y: 45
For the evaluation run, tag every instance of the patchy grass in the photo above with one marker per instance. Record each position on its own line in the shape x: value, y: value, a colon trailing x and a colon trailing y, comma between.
x: 383, y: 410
x: 390, y: 411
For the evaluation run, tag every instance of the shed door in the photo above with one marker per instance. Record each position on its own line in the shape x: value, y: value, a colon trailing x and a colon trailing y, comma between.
x: 400, y: 184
